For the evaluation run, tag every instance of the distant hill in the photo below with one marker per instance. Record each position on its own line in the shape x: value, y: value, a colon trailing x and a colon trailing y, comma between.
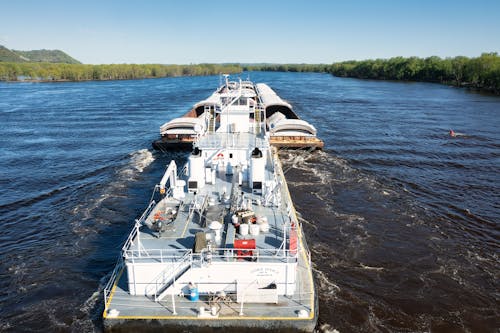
x: 7, y: 55
x: 47, y: 56
x: 54, y: 56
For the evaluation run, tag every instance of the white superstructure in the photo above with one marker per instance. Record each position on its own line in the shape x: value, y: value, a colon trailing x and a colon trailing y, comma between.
x: 285, y: 128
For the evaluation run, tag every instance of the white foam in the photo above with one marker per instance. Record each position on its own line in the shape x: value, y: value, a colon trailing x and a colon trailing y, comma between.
x: 326, y: 287
x: 327, y: 328
x: 371, y: 268
x: 141, y: 159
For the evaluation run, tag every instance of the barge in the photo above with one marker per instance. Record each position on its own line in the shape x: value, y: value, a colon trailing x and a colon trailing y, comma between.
x: 219, y: 244
x: 285, y: 128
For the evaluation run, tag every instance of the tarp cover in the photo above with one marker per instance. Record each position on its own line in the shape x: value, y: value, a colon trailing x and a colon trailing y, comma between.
x: 292, y: 127
x: 273, y: 103
x: 187, y: 124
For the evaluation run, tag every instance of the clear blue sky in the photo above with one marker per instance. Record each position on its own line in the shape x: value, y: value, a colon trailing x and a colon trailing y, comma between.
x: 279, y: 31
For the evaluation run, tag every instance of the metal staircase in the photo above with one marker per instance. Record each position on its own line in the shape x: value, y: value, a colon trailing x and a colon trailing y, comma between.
x: 160, y: 284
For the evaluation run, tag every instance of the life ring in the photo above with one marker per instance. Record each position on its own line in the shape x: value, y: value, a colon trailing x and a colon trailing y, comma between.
x: 158, y: 216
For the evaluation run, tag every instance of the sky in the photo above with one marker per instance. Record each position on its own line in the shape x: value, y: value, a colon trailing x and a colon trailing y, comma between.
x: 257, y: 31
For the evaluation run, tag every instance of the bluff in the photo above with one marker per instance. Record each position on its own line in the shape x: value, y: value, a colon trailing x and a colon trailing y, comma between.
x: 53, y: 56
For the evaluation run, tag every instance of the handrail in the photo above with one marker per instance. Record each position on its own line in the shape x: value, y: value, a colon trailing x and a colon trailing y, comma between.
x: 244, y: 294
x: 162, y: 254
x: 162, y: 280
x: 108, y: 288
x: 138, y: 221
x: 292, y: 212
x: 258, y: 255
x: 171, y: 255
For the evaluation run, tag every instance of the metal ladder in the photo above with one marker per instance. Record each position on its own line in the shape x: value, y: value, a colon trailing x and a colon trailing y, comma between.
x: 259, y: 110
x: 210, y: 113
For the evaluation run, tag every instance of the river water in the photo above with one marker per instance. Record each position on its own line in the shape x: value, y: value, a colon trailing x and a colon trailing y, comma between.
x: 402, y: 219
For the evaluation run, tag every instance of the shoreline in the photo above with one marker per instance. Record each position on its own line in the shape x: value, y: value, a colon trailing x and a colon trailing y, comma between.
x: 98, y: 80
x: 60, y: 72
x: 466, y: 86
x: 469, y: 87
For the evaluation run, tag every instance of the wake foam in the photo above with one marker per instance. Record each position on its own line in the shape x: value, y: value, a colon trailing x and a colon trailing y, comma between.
x: 327, y: 328
x: 141, y: 159
x: 137, y: 162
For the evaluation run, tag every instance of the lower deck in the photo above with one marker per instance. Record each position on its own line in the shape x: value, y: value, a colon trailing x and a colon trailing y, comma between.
x: 297, y: 312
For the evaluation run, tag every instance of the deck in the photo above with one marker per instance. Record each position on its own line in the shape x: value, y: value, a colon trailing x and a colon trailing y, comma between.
x: 292, y: 304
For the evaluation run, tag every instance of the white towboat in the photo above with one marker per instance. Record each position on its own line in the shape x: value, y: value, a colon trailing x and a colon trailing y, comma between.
x: 220, y: 245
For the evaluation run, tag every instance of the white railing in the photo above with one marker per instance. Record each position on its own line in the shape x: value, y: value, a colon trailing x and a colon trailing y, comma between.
x: 214, y: 255
x: 257, y: 255
x: 291, y: 211
x: 111, y: 282
x: 138, y: 223
x: 244, y: 294
x: 161, y: 255
x: 167, y: 277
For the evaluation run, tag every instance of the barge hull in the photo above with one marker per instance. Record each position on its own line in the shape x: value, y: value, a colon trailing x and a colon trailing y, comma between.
x: 207, y: 325
x: 278, y: 142
x: 173, y: 145
x: 296, y: 143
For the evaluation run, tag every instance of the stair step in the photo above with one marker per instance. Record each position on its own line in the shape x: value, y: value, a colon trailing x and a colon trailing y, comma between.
x: 163, y: 290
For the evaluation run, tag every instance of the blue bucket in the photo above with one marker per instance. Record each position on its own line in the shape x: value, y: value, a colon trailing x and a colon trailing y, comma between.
x: 193, y: 294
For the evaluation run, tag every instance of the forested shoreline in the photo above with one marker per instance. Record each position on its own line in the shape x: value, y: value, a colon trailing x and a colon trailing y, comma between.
x: 46, y: 72
x: 481, y: 73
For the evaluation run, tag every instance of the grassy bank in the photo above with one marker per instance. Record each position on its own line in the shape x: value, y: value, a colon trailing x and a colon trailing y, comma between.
x: 78, y: 72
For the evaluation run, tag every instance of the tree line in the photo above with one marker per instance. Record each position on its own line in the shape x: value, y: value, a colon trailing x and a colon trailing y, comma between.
x: 482, y: 73
x: 10, y: 71
x: 319, y: 68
